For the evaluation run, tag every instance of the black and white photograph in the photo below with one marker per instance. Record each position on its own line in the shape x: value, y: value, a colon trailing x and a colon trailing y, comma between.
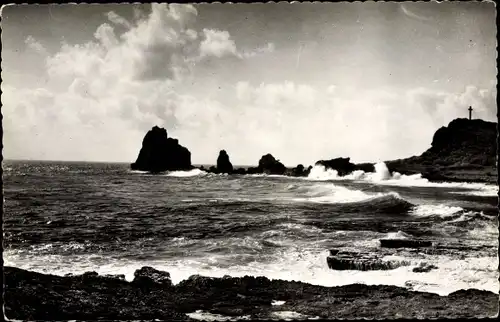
x: 250, y: 161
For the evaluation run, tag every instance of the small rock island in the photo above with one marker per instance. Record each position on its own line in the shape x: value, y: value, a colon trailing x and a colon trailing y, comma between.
x: 160, y: 153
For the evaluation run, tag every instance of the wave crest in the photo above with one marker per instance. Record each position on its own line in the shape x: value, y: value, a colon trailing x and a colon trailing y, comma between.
x: 383, y: 176
x: 190, y: 173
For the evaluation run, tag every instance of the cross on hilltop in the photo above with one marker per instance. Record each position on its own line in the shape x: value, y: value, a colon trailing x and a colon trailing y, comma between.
x: 470, y: 112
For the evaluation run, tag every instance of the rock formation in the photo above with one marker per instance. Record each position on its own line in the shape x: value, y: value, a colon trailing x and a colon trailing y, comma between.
x: 465, y: 150
x: 161, y: 153
x: 35, y: 296
x: 424, y: 268
x: 269, y: 165
x: 298, y: 171
x: 343, y: 260
x: 342, y: 165
x: 223, y: 163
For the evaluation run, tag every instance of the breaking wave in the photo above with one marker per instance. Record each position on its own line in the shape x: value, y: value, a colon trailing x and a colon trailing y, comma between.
x: 383, y: 176
x: 190, y: 173
x: 436, y: 210
x: 331, y: 193
x: 397, y: 235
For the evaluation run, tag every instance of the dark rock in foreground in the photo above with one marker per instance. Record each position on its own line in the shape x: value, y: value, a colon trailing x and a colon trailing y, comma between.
x: 147, y: 276
x: 404, y: 243
x: 223, y: 163
x: 34, y: 296
x: 342, y: 260
x: 424, y: 268
x: 161, y: 153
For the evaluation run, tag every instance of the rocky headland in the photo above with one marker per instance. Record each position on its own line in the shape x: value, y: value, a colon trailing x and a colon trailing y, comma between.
x: 465, y: 150
x: 151, y: 295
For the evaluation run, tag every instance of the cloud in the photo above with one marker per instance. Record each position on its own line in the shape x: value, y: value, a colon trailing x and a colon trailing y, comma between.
x: 119, y: 20
x: 217, y: 43
x: 102, y: 95
x: 413, y: 15
x: 35, y: 45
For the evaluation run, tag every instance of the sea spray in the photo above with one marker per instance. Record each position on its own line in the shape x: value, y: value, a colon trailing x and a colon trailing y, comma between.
x: 190, y: 173
x: 383, y: 176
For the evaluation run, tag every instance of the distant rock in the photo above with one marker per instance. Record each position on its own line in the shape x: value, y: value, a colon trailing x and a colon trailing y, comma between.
x: 240, y: 171
x: 161, y: 153
x: 223, y: 163
x: 366, y: 167
x: 298, y: 171
x: 269, y: 165
x: 342, y: 165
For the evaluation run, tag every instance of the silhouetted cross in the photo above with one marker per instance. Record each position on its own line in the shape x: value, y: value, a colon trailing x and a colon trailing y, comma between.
x: 470, y: 112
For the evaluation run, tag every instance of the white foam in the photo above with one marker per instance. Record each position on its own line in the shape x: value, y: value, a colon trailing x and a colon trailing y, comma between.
x: 383, y: 176
x: 190, y: 173
x: 207, y: 316
x: 308, y: 266
x: 138, y: 171
x: 435, y: 210
x: 397, y: 235
x: 277, y: 303
x: 330, y: 193
x: 292, y: 315
x: 319, y: 172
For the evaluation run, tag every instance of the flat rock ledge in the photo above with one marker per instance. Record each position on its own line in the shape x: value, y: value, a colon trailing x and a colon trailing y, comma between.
x: 34, y: 296
x: 344, y: 260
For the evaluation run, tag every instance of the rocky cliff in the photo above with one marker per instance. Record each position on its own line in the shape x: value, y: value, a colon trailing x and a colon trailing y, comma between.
x: 465, y: 150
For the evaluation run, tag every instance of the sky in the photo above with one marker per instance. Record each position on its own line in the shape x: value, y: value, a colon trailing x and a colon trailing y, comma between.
x: 371, y: 81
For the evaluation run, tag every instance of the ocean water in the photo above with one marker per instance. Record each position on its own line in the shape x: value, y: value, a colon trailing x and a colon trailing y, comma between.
x: 62, y: 217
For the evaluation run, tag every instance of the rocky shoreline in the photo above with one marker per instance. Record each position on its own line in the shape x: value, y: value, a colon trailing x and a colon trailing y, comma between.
x: 463, y: 151
x: 151, y: 295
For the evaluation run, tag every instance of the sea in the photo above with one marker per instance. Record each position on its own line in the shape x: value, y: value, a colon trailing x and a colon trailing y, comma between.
x: 74, y: 217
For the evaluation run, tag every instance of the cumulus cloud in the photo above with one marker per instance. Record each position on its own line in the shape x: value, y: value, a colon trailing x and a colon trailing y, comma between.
x: 119, y: 20
x: 35, y: 45
x: 107, y: 92
x: 217, y: 43
x: 308, y: 123
x: 413, y: 15
x: 103, y: 95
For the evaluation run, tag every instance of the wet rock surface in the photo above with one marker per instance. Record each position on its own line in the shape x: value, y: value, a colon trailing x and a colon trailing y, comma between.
x: 346, y: 260
x: 424, y: 268
x: 147, y: 276
x: 30, y: 295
